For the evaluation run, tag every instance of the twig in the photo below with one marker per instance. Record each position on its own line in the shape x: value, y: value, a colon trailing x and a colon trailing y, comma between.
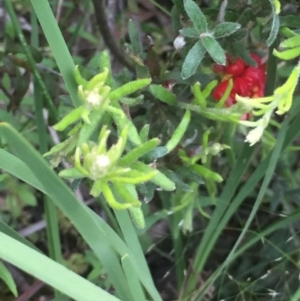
x: 101, y: 18
x: 32, y: 290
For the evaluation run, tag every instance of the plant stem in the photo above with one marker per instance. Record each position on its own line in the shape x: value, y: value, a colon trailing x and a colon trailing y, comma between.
x: 271, y: 70
x: 12, y: 14
x: 101, y: 18
x: 52, y: 228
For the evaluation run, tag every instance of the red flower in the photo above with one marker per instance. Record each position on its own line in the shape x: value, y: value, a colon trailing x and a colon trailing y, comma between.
x: 248, y: 81
x: 236, y: 68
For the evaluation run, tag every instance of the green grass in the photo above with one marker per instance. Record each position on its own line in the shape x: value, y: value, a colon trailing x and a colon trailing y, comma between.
x: 250, y: 175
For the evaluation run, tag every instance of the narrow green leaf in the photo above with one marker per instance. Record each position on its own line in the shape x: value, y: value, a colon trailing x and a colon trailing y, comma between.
x: 154, y: 154
x: 15, y: 235
x: 190, y: 32
x: 162, y: 94
x: 134, y: 38
x: 192, y: 60
x: 274, y: 31
x: 291, y: 42
x: 239, y: 34
x: 133, y: 134
x: 159, y: 179
x: 64, y: 198
x: 57, y: 275
x: 287, y: 54
x: 71, y: 173
x: 195, y: 14
x: 290, y: 21
x: 135, y: 252
x: 137, y: 217
x: 18, y: 168
x: 70, y: 118
x: 130, y: 101
x: 128, y: 88
x: 225, y: 29
x: 133, y: 280
x: 144, y: 133
x: 206, y: 173
x: 6, y: 276
x: 214, y: 49
x: 275, y: 23
x: 104, y: 63
x: 177, y: 180
x: 126, y: 195
x: 179, y: 132
x: 138, y: 152
x: 57, y: 45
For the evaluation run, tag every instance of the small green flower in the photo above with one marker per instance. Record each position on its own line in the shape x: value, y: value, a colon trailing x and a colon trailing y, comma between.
x: 97, y: 162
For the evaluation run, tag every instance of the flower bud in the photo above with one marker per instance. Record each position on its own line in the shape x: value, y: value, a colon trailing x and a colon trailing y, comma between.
x: 100, y: 166
x: 216, y: 148
x: 179, y: 42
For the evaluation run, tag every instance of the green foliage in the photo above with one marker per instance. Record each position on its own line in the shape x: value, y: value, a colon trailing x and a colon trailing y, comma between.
x: 207, y: 39
x: 6, y: 276
x: 172, y: 130
x: 275, y: 22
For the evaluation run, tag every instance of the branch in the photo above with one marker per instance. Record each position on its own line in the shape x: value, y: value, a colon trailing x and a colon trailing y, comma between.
x: 101, y: 18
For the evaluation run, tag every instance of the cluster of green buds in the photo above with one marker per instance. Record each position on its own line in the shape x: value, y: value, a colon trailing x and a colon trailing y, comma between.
x: 112, y: 174
x: 94, y: 95
x: 281, y: 101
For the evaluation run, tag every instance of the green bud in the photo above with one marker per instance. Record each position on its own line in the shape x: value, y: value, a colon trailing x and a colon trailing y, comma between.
x: 110, y: 197
x: 137, y: 217
x: 70, y: 118
x: 97, y: 81
x: 129, y: 88
x: 179, y: 132
x: 78, y: 78
x: 206, y: 173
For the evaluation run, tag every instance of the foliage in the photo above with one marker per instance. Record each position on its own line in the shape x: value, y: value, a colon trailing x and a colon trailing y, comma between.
x: 168, y: 133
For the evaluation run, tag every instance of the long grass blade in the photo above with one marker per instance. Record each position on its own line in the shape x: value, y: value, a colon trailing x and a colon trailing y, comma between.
x: 50, y: 272
x: 77, y: 212
x: 57, y: 45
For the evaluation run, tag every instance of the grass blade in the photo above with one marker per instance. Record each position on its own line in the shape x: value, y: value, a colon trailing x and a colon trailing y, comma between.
x: 132, y: 241
x: 52, y: 228
x: 57, y: 45
x: 63, y: 197
x: 50, y: 272
x: 134, y: 283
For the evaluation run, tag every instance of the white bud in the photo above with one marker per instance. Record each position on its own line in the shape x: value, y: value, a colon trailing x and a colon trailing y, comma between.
x: 102, y: 161
x: 216, y: 148
x: 100, y: 166
x: 179, y: 42
x: 93, y: 98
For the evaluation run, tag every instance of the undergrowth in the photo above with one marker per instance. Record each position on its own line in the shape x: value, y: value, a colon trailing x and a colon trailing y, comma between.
x: 163, y: 166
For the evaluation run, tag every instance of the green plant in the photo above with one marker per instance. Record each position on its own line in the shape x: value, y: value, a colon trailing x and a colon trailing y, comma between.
x: 171, y: 128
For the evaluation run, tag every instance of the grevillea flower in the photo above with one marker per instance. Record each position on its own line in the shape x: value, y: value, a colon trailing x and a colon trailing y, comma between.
x: 248, y: 81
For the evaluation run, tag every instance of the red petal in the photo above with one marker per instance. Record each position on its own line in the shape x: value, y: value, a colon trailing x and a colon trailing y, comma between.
x: 246, y: 116
x: 230, y: 101
x: 220, y: 90
x: 255, y: 75
x: 236, y: 68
